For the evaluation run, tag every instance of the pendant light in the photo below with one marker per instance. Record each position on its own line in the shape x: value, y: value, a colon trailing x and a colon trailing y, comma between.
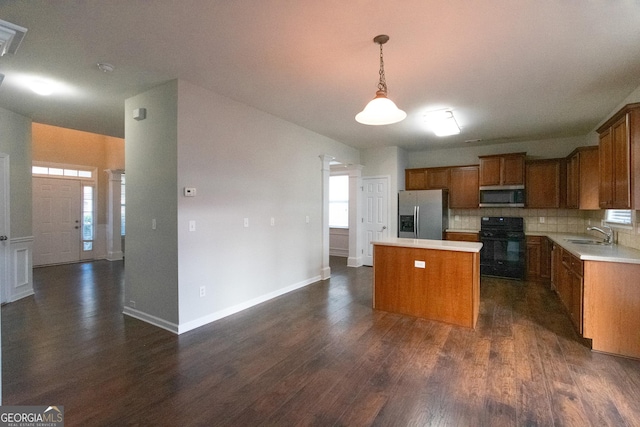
x: 381, y: 110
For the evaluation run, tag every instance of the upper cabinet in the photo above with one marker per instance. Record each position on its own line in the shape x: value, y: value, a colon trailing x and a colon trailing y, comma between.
x: 620, y: 160
x: 437, y: 178
x: 582, y: 181
x: 426, y: 178
x: 415, y: 179
x: 463, y: 187
x: 504, y: 169
x: 545, y: 183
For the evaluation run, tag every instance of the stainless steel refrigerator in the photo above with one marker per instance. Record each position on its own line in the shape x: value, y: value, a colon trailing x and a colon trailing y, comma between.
x: 423, y: 214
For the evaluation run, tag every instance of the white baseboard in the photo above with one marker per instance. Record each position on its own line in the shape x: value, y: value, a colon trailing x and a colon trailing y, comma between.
x: 354, y: 262
x: 156, y: 321
x: 188, y: 326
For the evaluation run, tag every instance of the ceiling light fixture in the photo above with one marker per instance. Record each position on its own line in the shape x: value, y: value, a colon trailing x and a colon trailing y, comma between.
x: 41, y: 87
x: 105, y: 67
x: 381, y: 110
x: 442, y: 123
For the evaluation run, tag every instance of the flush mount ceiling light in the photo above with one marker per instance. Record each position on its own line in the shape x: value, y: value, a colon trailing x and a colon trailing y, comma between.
x: 41, y: 87
x: 442, y: 123
x: 10, y: 37
x: 381, y: 110
x: 105, y: 67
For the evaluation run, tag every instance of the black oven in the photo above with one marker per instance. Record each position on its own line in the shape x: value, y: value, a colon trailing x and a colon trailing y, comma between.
x: 503, y: 246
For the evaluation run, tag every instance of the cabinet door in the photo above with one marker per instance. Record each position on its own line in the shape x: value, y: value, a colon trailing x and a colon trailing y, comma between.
x: 606, y: 169
x: 543, y: 184
x: 532, y: 258
x: 415, y: 179
x: 437, y: 178
x: 490, y: 171
x: 573, y: 177
x: 575, y: 309
x: 587, y: 180
x: 545, y: 259
x: 620, y: 147
x: 463, y: 188
x: 513, y: 170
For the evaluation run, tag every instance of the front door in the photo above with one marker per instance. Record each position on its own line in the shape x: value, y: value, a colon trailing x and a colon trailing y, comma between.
x: 376, y: 214
x: 56, y: 221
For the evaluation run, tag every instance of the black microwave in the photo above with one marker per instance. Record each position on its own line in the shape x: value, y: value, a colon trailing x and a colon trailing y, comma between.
x: 502, y: 197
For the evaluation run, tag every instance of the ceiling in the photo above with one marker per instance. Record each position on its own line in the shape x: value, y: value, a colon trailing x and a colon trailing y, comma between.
x: 510, y: 71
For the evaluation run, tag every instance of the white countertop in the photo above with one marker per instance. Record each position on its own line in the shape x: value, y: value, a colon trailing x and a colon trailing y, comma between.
x: 442, y: 245
x: 607, y: 253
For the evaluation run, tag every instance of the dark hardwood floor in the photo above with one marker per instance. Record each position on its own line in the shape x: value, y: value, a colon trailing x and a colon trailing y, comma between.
x: 317, y: 356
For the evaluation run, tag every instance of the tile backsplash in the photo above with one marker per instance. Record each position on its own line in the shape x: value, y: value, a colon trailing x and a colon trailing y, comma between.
x: 544, y: 220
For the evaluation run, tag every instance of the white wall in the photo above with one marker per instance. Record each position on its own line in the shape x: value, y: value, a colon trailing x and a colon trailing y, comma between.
x: 151, y: 273
x: 15, y: 140
x: 244, y: 163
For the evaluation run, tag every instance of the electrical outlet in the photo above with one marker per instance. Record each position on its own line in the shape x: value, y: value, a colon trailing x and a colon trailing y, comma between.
x: 542, y: 220
x: 202, y: 291
x: 273, y: 221
x: 246, y: 222
x: 153, y: 223
x: 307, y: 219
x: 132, y: 304
x: 192, y: 225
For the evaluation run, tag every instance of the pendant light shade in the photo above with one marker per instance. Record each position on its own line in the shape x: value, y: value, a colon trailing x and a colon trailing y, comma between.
x: 381, y: 110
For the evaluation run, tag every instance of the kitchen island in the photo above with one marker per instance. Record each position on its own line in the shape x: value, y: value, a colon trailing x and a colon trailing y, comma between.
x: 432, y: 279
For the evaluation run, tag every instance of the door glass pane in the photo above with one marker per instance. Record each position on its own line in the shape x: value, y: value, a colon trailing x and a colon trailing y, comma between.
x: 87, y: 217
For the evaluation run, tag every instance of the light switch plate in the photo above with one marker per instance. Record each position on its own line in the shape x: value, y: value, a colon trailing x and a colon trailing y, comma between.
x: 189, y: 192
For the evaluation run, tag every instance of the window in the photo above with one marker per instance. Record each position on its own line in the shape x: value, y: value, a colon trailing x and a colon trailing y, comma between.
x: 339, y: 201
x: 87, y: 217
x: 54, y: 171
x: 619, y: 216
x: 122, y: 204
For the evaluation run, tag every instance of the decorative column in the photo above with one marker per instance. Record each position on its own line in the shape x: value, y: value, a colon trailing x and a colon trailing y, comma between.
x: 355, y: 215
x: 325, y: 272
x: 114, y: 232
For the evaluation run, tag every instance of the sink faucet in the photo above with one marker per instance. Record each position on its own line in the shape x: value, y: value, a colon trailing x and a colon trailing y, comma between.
x: 608, y: 233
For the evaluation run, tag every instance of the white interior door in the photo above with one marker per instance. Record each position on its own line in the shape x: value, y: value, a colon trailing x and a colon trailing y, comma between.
x: 4, y: 228
x: 376, y: 214
x: 56, y: 221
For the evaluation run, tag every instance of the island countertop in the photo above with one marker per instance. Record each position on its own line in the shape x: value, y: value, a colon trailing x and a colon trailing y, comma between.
x: 443, y: 245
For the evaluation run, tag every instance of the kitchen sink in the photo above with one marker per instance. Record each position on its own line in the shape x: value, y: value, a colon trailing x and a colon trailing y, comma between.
x: 586, y: 242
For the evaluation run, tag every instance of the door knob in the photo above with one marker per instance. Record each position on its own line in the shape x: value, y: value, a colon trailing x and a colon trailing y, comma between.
x: 76, y: 227
x: 384, y: 227
x: 3, y: 238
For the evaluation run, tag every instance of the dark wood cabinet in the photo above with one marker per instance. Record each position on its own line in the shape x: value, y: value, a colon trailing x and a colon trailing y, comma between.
x: 569, y: 284
x: 415, y: 179
x: 581, y: 178
x: 503, y: 169
x: 545, y: 183
x: 538, y: 259
x: 463, y: 187
x: 619, y: 145
x: 461, y: 236
x: 437, y: 178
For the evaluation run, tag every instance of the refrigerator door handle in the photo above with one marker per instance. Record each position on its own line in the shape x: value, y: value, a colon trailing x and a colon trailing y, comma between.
x: 417, y: 222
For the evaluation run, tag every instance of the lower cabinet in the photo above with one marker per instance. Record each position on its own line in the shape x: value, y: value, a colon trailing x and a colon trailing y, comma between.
x: 461, y: 236
x: 538, y: 259
x: 568, y: 282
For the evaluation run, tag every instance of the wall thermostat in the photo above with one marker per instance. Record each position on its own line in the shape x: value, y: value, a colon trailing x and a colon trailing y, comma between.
x: 189, y: 192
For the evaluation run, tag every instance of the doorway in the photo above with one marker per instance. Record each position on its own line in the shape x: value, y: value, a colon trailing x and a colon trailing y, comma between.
x: 375, y: 222
x: 4, y: 228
